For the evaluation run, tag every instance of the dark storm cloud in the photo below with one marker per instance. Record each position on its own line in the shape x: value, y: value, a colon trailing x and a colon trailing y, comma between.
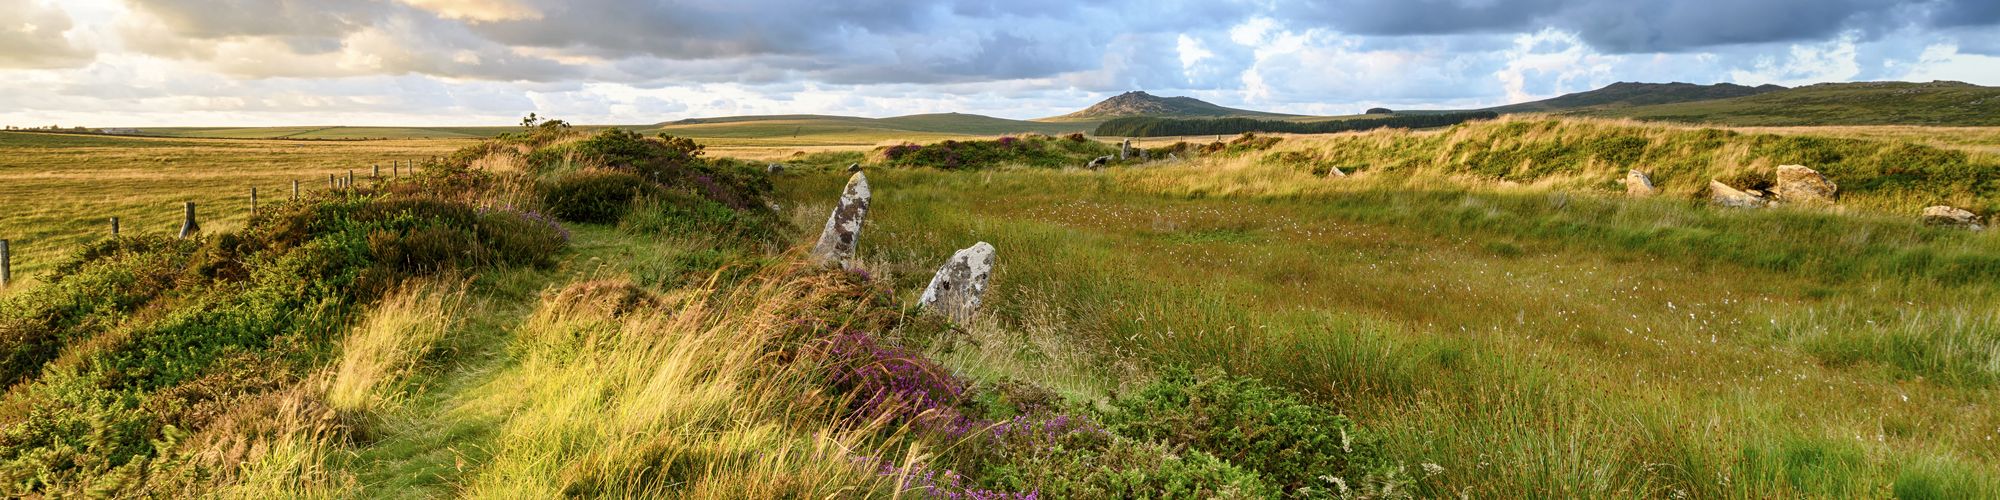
x: 1627, y: 26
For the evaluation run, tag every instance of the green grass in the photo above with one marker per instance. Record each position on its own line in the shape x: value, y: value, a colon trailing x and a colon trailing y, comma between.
x: 1498, y: 336
x: 1869, y: 103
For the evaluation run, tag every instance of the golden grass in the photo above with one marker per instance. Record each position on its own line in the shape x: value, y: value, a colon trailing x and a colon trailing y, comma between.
x: 390, y: 344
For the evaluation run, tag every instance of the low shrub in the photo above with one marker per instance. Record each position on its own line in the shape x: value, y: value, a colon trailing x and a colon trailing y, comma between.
x: 595, y: 196
x: 1260, y: 428
x: 1039, y: 151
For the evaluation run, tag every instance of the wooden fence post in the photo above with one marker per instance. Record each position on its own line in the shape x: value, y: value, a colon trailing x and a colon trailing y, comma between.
x: 6, y: 264
x: 295, y: 190
x: 350, y: 179
x: 114, y: 227
x: 378, y: 172
x: 188, y: 225
x: 330, y: 184
x: 253, y: 201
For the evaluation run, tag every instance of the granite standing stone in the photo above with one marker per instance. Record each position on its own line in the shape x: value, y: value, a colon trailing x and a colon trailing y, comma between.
x: 960, y: 284
x: 836, y: 242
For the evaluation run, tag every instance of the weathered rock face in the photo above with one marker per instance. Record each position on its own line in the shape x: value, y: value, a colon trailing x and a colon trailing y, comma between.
x: 1797, y: 184
x: 1098, y: 163
x: 1952, y: 216
x: 1639, y: 184
x: 1727, y: 196
x: 843, y: 228
x: 960, y: 284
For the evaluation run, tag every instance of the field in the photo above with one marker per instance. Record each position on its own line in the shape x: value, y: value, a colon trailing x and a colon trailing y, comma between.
x: 1483, y: 303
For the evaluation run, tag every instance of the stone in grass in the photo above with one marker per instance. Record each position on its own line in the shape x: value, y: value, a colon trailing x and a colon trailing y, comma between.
x: 1335, y: 172
x: 774, y: 169
x: 843, y: 228
x: 1727, y: 196
x: 1952, y: 216
x: 1098, y: 163
x: 959, y: 285
x: 1799, y: 185
x: 1639, y: 184
x: 854, y: 168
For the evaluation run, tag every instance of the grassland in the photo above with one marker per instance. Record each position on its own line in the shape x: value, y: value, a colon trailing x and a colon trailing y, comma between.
x: 63, y: 189
x: 1496, y: 318
x: 1869, y: 103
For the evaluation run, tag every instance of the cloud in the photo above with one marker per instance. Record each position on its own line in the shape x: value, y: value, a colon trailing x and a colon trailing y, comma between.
x: 1639, y: 26
x: 33, y: 35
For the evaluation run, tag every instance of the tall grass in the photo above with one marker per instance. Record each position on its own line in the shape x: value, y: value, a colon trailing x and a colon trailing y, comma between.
x: 1510, y: 337
x: 623, y: 396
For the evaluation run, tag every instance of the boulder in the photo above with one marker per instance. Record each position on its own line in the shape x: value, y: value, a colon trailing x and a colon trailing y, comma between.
x: 1098, y: 163
x: 1804, y: 186
x: 959, y: 285
x: 1335, y: 172
x: 774, y: 169
x: 836, y: 241
x: 1639, y: 184
x: 1727, y: 196
x: 1952, y: 216
x: 854, y: 168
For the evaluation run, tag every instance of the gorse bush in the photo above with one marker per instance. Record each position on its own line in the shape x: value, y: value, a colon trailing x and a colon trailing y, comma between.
x: 597, y: 196
x: 1032, y: 150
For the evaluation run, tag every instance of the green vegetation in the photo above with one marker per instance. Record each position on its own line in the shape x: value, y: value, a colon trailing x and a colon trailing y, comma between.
x: 1472, y: 311
x: 1871, y: 103
x: 1033, y: 150
x: 1629, y: 94
x: 1163, y: 127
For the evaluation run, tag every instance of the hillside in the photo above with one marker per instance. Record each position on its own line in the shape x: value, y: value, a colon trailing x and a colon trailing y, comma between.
x: 1628, y: 94
x: 1139, y: 103
x: 1867, y: 103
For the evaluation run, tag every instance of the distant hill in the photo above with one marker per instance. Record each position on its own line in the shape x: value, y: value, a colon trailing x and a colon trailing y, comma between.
x: 1138, y: 103
x: 851, y: 128
x: 1629, y: 94
x: 1865, y: 103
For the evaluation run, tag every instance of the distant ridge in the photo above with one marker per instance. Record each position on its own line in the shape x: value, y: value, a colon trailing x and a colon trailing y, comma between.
x: 1629, y: 94
x: 1140, y: 103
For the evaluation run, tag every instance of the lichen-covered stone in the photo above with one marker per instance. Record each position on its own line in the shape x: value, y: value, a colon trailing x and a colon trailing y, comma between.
x: 843, y: 228
x: 1727, y: 196
x: 1799, y: 185
x: 1952, y: 216
x: 960, y: 284
x: 1639, y: 184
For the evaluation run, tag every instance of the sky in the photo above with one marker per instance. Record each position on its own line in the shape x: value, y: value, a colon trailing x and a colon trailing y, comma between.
x: 112, y: 63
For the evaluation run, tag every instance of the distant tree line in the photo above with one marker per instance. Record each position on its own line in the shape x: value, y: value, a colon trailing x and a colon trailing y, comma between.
x: 1162, y: 127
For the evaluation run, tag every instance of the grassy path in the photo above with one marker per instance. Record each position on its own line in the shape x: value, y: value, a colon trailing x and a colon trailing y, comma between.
x: 434, y: 442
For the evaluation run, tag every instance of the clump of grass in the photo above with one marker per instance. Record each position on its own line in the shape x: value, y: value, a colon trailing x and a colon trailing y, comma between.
x: 392, y: 342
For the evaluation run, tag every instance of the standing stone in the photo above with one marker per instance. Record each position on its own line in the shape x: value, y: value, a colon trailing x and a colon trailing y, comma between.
x: 1639, y: 184
x: 1800, y: 185
x: 1098, y: 163
x: 1727, y: 196
x: 836, y: 242
x: 854, y: 168
x: 958, y: 286
x: 1952, y: 216
x: 1335, y: 172
x: 1125, y: 150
